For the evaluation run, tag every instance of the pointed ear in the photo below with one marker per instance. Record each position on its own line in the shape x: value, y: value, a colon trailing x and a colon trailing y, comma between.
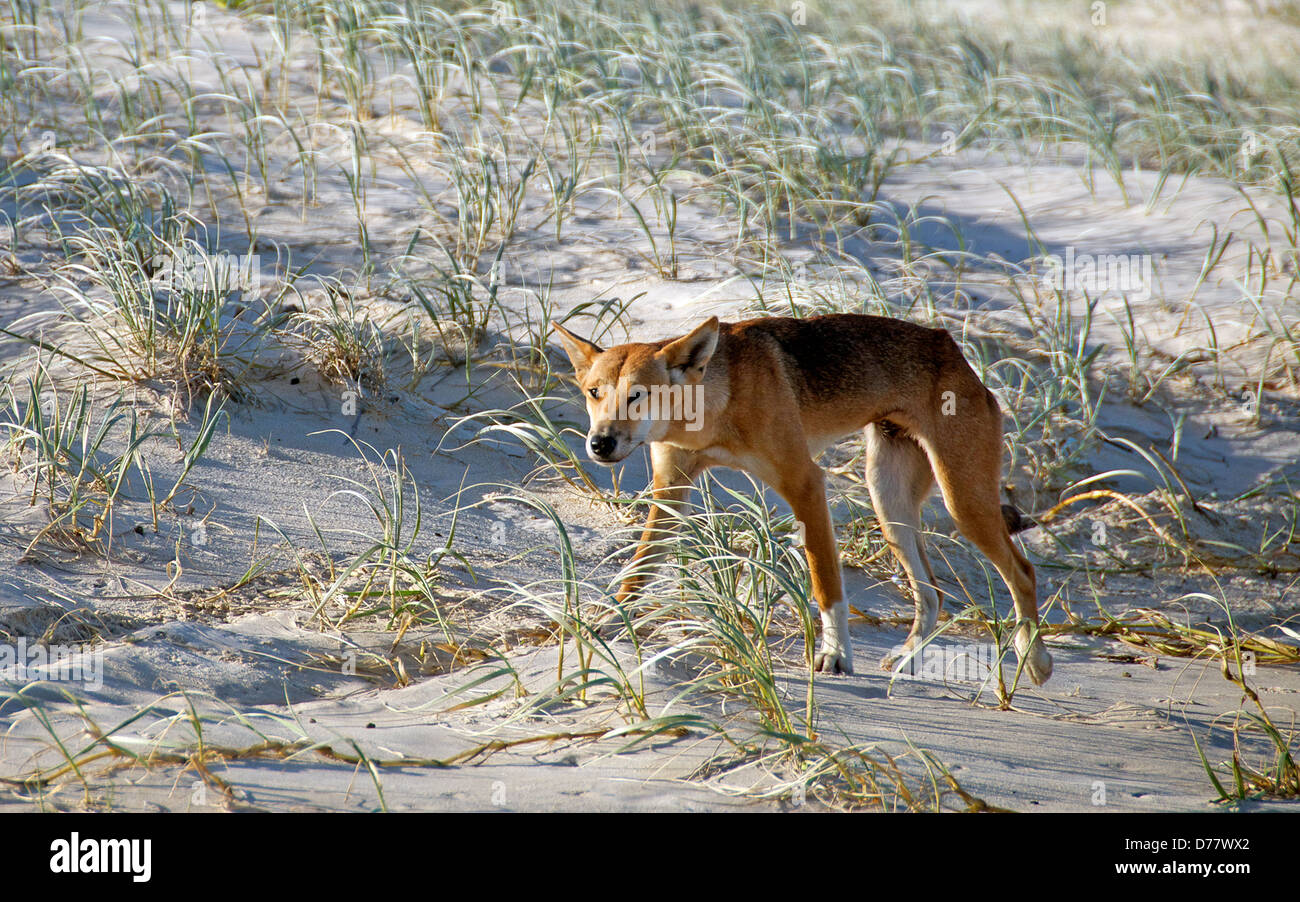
x: 692, y: 353
x: 581, y: 352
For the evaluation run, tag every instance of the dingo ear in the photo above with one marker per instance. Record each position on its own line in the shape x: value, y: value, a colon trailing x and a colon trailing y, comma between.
x: 692, y: 353
x: 581, y: 352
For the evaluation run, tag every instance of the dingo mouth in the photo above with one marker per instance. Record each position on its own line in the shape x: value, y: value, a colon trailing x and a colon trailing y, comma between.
x: 619, y: 455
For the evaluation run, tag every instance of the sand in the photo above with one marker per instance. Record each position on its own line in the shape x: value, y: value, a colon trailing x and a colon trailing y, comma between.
x: 269, y: 671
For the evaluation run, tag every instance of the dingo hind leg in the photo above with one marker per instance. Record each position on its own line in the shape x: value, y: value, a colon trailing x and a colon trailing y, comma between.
x: 899, y: 479
x: 966, y: 454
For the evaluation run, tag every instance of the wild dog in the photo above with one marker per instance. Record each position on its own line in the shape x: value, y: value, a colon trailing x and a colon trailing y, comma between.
x: 772, y: 393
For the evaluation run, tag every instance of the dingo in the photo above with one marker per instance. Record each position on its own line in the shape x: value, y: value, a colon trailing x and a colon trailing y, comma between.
x: 772, y: 393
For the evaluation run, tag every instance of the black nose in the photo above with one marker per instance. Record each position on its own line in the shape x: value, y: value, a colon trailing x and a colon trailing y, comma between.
x: 602, y: 445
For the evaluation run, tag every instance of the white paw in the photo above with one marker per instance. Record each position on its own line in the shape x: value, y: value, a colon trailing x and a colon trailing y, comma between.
x: 1037, y: 660
x: 836, y: 654
x: 900, y: 656
x: 830, y: 661
x: 1039, y: 665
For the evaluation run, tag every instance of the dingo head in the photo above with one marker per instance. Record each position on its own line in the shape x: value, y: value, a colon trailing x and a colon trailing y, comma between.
x: 639, y: 393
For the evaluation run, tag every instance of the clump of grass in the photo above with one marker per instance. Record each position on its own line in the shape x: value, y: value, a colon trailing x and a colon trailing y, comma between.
x: 395, y: 571
x: 342, y: 340
x: 1168, y: 527
x: 64, y: 443
x: 61, y: 444
x: 1243, y: 778
x: 459, y: 305
x: 490, y: 187
x: 146, y: 300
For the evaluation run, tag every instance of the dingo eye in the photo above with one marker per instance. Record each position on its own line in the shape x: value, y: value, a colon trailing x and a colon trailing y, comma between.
x: 594, y: 392
x: 635, y: 396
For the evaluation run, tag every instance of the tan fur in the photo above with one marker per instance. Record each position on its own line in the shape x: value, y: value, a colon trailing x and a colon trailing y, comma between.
x: 775, y: 391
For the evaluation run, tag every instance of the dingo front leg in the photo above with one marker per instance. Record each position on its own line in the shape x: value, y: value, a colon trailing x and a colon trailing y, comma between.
x: 836, y: 652
x: 899, y: 478
x: 674, y: 471
x: 805, y: 491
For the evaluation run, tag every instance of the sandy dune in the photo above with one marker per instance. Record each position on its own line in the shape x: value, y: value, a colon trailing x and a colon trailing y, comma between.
x: 224, y: 611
